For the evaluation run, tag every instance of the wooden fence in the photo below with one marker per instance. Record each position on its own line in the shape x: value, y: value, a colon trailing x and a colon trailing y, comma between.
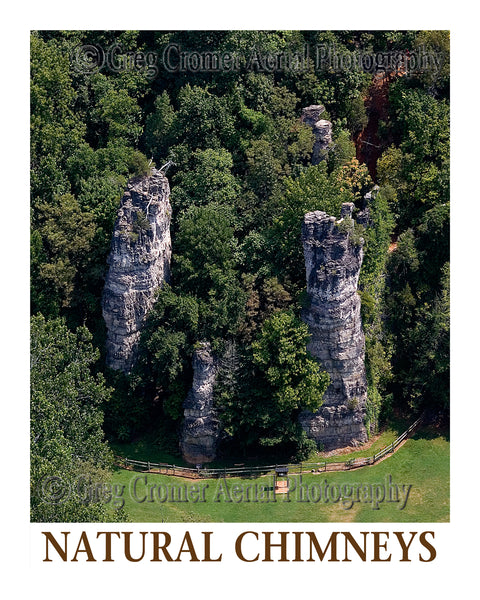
x: 252, y: 471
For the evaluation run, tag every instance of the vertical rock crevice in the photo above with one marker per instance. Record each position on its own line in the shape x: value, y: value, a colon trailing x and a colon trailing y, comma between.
x: 333, y: 258
x: 139, y: 263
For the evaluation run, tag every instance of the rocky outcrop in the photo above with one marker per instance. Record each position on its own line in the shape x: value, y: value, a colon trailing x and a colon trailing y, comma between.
x: 199, y: 435
x: 139, y: 262
x: 333, y: 257
x: 322, y: 130
x: 363, y: 215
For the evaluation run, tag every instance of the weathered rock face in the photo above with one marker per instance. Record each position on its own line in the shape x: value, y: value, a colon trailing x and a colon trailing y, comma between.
x: 199, y: 436
x: 139, y: 262
x: 322, y: 130
x: 333, y: 258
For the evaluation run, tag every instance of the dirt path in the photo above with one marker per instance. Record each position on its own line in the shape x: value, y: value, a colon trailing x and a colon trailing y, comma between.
x: 368, y: 144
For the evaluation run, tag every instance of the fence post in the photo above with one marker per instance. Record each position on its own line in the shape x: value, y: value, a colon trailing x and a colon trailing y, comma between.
x: 256, y: 470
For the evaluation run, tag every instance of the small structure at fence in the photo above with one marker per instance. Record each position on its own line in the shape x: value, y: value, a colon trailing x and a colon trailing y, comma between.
x: 258, y: 471
x: 280, y: 485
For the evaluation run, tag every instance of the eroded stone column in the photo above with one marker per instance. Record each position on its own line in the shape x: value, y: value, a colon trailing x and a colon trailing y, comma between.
x: 139, y: 263
x: 322, y: 130
x: 333, y: 257
x: 199, y: 435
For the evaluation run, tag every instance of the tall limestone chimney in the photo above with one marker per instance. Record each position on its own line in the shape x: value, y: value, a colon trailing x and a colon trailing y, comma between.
x: 139, y: 263
x: 333, y: 257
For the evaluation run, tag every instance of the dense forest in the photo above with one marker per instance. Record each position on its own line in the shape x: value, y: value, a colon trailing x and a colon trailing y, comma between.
x: 241, y: 181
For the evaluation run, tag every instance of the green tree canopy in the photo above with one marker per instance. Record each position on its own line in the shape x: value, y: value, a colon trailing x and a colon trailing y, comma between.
x: 209, y: 179
x: 278, y: 379
x: 312, y: 190
x: 66, y: 438
x: 292, y: 374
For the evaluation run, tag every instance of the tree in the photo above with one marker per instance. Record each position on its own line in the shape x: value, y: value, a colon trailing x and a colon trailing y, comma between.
x: 208, y: 179
x: 377, y: 236
x: 120, y: 115
x: 204, y: 248
x: 421, y: 123
x: 203, y: 119
x: 56, y: 129
x: 264, y: 297
x: 61, y: 244
x: 423, y: 358
x: 389, y: 173
x: 437, y: 80
x: 312, y: 190
x: 158, y: 127
x: 278, y: 379
x: 67, y: 447
x: 343, y: 150
x: 166, y: 348
x: 433, y: 243
x: 263, y: 168
x: 293, y: 376
x: 427, y: 381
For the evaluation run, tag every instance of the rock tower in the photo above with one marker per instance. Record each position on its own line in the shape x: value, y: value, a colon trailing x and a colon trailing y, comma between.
x: 322, y: 130
x: 333, y: 257
x: 139, y: 263
x: 199, y: 435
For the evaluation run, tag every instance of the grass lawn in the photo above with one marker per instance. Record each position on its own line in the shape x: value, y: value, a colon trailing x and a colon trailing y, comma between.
x: 415, y: 477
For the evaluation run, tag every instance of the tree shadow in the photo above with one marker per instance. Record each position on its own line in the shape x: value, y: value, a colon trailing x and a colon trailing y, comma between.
x: 431, y: 432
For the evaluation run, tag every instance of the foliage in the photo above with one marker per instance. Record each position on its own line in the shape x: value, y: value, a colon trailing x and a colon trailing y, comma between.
x: 56, y: 129
x: 264, y: 297
x: 427, y: 382
x: 241, y: 184
x: 61, y: 243
x: 418, y: 167
x: 419, y: 323
x: 205, y: 268
x: 202, y: 120
x: 343, y: 150
x: 207, y: 179
x: 436, y: 80
x: 167, y: 343
x: 287, y: 379
x: 292, y: 375
x: 158, y: 126
x: 422, y: 126
x: 378, y: 350
x: 66, y: 437
x: 377, y: 237
x: 312, y: 190
x: 354, y: 177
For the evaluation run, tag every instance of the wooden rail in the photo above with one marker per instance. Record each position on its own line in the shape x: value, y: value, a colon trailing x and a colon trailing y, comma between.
x: 243, y: 471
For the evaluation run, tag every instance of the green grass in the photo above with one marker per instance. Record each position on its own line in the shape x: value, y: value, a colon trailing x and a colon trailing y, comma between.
x: 422, y: 462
